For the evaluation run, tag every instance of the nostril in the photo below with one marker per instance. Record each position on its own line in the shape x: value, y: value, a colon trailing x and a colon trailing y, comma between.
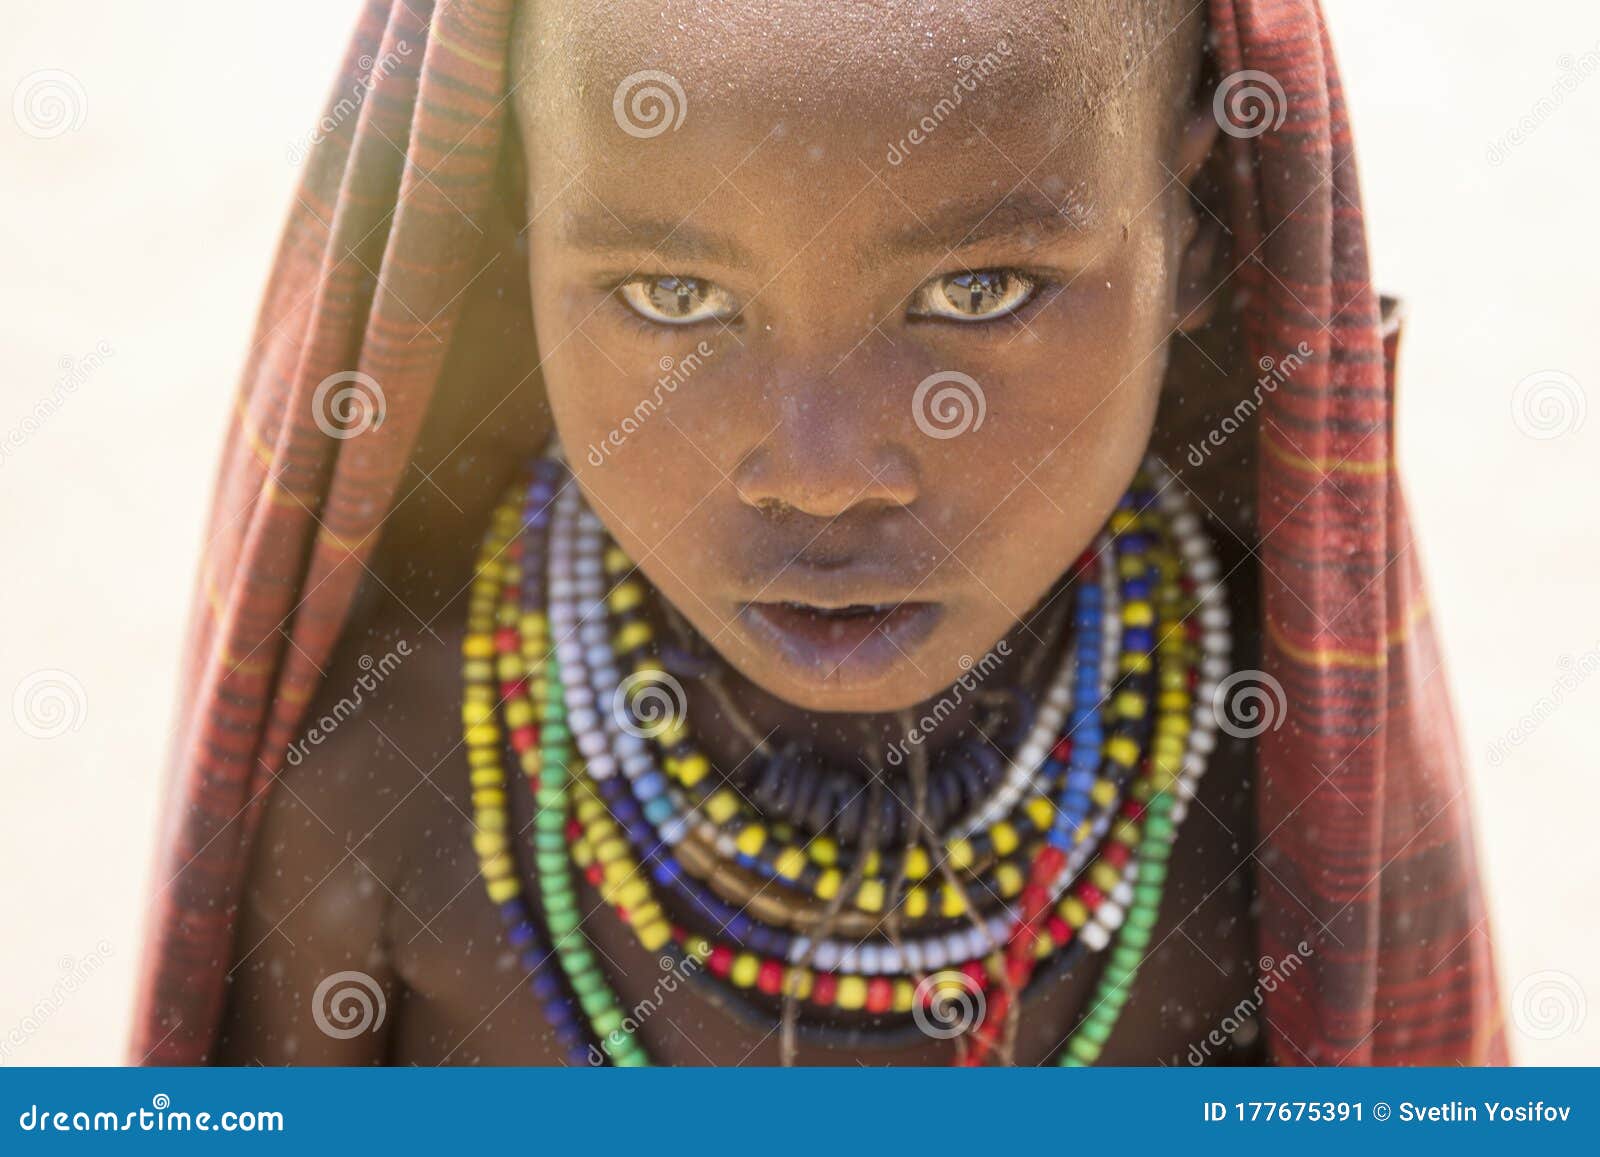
x: 775, y: 508
x: 813, y: 477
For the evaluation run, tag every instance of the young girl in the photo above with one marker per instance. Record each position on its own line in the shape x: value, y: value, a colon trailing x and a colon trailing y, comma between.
x: 792, y: 534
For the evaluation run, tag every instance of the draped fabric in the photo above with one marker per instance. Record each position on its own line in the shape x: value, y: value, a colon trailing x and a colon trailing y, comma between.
x: 1361, y: 804
x: 1365, y: 846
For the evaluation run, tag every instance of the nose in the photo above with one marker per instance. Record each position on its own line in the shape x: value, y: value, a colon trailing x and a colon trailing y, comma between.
x: 824, y: 457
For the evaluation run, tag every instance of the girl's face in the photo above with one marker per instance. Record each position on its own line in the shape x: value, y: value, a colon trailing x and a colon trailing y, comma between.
x: 854, y: 334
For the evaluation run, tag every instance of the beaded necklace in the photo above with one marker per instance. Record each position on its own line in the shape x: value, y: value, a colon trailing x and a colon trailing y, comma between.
x: 1067, y: 851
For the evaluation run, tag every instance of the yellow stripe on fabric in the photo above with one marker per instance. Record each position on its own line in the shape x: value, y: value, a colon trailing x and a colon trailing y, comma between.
x: 1322, y: 465
x: 213, y: 595
x: 481, y: 61
x: 271, y: 488
x: 261, y: 450
x: 274, y: 491
x: 291, y: 694
x: 332, y: 539
x: 241, y: 666
x: 1344, y: 657
x: 1328, y: 656
x: 219, y: 644
x: 1414, y: 615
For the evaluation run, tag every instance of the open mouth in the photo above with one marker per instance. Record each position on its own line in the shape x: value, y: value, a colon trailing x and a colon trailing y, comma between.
x: 853, y: 611
x: 850, y: 642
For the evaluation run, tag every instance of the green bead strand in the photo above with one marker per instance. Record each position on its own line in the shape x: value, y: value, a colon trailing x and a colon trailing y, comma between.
x: 557, y: 889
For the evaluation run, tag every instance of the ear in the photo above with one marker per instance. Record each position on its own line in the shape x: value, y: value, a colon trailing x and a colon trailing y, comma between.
x: 1198, y: 142
x: 1201, y: 229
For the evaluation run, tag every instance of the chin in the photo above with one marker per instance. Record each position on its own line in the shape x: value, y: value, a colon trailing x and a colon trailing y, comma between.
x: 897, y: 689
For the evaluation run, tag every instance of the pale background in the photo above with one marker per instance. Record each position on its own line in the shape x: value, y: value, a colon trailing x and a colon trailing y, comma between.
x: 149, y: 228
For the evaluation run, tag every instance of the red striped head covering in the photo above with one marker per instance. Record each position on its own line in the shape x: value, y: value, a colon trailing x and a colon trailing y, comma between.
x: 1366, y: 846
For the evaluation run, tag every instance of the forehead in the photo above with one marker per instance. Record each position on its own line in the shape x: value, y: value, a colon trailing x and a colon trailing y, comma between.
x: 794, y: 105
x: 799, y: 53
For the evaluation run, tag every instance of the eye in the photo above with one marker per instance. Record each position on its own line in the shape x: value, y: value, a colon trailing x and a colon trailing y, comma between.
x: 980, y: 295
x: 677, y: 300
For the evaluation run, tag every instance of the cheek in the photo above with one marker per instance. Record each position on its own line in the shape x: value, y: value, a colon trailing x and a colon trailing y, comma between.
x: 1089, y: 369
x: 1068, y: 423
x: 613, y: 402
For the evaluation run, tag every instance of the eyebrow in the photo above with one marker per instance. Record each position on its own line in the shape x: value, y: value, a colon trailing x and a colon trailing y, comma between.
x: 604, y: 232
x: 1024, y: 217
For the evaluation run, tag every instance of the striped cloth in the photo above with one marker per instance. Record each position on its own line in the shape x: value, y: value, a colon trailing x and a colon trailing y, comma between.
x: 1366, y: 848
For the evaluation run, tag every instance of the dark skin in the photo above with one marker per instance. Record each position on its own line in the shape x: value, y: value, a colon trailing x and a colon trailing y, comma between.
x: 790, y: 462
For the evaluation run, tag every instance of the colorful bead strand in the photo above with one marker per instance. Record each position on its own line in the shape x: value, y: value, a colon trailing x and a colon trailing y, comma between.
x: 1070, y: 843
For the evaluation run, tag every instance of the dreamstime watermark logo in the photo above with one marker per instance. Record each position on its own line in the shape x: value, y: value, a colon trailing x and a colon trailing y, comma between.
x: 1274, y: 372
x: 1574, y: 71
x: 375, y: 671
x: 649, y: 703
x: 1248, y: 103
x: 1249, y: 703
x: 75, y: 372
x: 1270, y: 974
x: 75, y: 973
x: 674, y: 373
x: 48, y: 704
x: 348, y: 404
x: 947, y: 1004
x: 948, y: 404
x: 973, y: 71
x: 347, y: 1004
x: 49, y: 103
x: 349, y: 103
x: 649, y: 103
x: 1574, y: 671
x: 1548, y: 1004
x: 1549, y: 404
x: 156, y: 1119
x: 973, y: 674
x: 675, y: 970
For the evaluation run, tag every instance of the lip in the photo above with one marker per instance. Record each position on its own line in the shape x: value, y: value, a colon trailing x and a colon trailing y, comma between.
x: 838, y: 643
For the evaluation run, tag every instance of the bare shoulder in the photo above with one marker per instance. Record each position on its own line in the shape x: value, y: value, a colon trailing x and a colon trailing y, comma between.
x: 317, y: 893
x: 363, y: 868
